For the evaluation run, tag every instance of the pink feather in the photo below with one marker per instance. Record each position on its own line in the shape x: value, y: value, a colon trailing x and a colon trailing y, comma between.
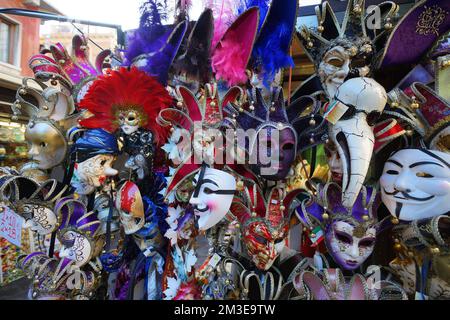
x: 225, y: 13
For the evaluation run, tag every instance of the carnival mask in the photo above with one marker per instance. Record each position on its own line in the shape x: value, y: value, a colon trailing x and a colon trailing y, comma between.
x: 43, y: 221
x: 129, y: 121
x: 94, y: 171
x: 76, y: 247
x: 131, y: 207
x: 47, y: 145
x: 359, y: 103
x: 350, y: 245
x: 416, y: 184
x: 264, y: 243
x: 341, y: 63
x: 212, y: 196
x: 279, y: 146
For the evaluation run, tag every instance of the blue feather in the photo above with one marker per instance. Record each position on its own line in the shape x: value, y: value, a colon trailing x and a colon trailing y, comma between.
x: 268, y: 53
x: 263, y: 6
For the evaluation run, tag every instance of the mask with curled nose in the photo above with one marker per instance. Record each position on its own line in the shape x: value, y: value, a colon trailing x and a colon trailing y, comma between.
x: 212, y: 197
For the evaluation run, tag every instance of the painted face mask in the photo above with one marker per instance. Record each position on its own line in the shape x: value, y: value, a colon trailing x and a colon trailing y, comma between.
x: 78, y: 232
x: 44, y: 220
x: 416, y: 184
x: 264, y: 225
x: 280, y: 147
x: 131, y: 207
x: 212, y: 197
x: 349, y: 234
x: 357, y: 106
x: 95, y: 152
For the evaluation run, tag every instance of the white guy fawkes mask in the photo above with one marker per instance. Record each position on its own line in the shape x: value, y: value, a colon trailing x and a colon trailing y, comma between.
x: 44, y: 220
x: 350, y: 245
x: 92, y: 173
x: 76, y: 247
x: 212, y: 196
x: 416, y: 184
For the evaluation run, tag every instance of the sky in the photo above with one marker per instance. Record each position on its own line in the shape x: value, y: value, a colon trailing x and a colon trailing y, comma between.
x: 122, y: 12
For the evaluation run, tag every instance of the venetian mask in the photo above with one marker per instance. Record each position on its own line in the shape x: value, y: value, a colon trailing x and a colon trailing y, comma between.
x: 264, y: 242
x: 43, y: 221
x: 214, y: 191
x: 416, y: 184
x: 357, y: 106
x: 350, y: 244
x: 275, y: 150
x: 76, y: 247
x: 94, y: 171
x: 47, y: 145
x: 129, y: 121
x: 131, y: 207
x: 341, y: 63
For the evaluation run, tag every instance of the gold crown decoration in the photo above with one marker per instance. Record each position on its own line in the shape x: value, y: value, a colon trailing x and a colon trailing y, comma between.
x: 362, y: 32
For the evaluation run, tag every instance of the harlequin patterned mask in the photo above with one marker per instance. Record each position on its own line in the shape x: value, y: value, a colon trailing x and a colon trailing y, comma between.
x: 416, y: 184
x: 264, y: 225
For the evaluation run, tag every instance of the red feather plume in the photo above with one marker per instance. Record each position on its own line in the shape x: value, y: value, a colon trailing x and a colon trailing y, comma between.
x: 126, y: 89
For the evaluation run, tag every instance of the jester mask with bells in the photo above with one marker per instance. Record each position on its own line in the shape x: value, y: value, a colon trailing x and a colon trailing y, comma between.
x: 72, y: 71
x: 50, y: 119
x: 415, y: 184
x: 129, y: 100
x: 264, y: 223
x: 79, y: 232
x: 349, y: 234
x: 93, y: 154
x: 344, y: 56
x: 270, y: 135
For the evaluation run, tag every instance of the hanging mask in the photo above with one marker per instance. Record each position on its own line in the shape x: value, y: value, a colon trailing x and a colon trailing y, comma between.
x: 264, y: 225
x: 79, y: 232
x: 349, y: 234
x: 131, y: 207
x: 357, y: 106
x: 334, y: 162
x: 95, y: 152
x: 416, y: 184
x: 47, y: 145
x: 214, y: 191
x: 96, y: 170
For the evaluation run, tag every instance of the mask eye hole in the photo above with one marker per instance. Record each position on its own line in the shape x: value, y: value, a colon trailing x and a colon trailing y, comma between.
x: 43, y: 144
x: 366, y: 243
x: 103, y: 162
x: 288, y: 147
x: 261, y: 240
x: 392, y: 172
x: 424, y: 175
x: 336, y: 62
x: 343, y: 237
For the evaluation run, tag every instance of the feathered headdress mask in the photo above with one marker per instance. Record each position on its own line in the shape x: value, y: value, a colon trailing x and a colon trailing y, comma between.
x: 124, y: 92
